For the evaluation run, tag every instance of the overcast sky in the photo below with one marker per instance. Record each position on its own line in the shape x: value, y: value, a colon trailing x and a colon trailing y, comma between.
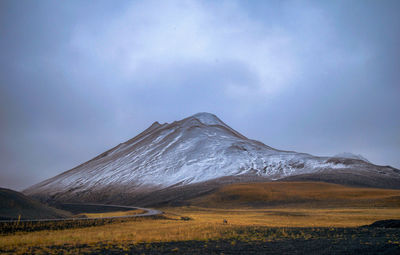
x: 79, y: 77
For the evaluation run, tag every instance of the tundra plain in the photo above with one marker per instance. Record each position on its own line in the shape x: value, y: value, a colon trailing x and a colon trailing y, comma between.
x: 261, y: 217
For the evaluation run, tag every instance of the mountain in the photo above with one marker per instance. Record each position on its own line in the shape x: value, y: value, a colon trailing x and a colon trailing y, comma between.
x: 14, y: 204
x: 351, y: 156
x: 192, y: 156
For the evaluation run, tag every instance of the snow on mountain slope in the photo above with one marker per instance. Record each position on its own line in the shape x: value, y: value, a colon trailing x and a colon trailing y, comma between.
x: 208, y: 119
x: 351, y: 156
x: 196, y: 149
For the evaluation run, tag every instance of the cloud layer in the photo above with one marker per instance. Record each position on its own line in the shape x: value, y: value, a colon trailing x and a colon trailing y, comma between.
x: 77, y: 79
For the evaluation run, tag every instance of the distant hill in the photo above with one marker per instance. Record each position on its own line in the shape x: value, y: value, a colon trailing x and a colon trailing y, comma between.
x: 13, y: 204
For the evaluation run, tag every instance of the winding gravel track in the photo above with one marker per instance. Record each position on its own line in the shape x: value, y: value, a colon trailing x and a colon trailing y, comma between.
x: 149, y: 212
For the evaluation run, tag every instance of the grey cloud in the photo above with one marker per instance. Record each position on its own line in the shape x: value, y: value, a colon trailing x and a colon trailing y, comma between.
x: 77, y: 78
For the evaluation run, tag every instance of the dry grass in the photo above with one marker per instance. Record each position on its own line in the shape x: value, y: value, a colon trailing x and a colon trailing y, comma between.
x: 290, y: 217
x: 206, y: 224
x: 112, y: 214
x: 299, y: 194
x: 134, y: 231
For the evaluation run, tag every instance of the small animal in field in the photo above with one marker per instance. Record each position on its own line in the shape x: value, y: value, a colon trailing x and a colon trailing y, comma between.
x: 225, y: 221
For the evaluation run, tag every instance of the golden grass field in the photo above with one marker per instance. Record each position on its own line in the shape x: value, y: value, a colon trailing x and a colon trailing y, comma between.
x: 299, y: 194
x: 111, y: 214
x: 307, y: 205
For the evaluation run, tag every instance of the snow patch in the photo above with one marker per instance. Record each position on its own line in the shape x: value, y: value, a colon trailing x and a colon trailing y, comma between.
x: 208, y: 118
x: 351, y: 156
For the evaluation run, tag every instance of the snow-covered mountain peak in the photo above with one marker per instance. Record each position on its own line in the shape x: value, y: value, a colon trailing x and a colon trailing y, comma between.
x: 196, y: 149
x: 208, y: 118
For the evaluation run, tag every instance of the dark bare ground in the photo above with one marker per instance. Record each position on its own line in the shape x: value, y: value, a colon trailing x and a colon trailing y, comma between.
x: 257, y: 240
